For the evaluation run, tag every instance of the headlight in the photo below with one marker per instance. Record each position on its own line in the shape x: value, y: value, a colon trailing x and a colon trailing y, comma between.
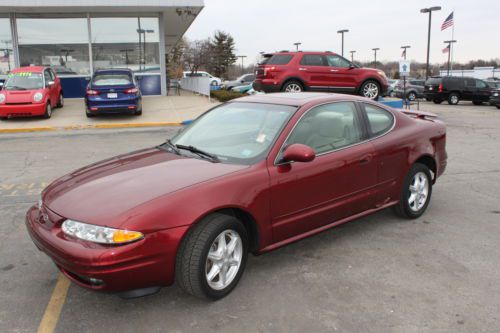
x: 495, y: 94
x: 37, y: 97
x: 2, y: 98
x: 99, y: 234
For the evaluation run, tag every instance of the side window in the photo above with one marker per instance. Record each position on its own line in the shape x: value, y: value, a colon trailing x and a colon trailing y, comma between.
x: 248, y: 78
x: 481, y: 84
x: 47, y: 77
x: 327, y: 127
x: 337, y: 61
x: 52, y: 75
x: 470, y: 83
x: 312, y: 60
x: 379, y: 120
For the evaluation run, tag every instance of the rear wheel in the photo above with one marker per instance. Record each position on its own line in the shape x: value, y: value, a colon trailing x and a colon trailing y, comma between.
x: 412, y: 96
x: 416, y: 192
x: 60, y: 103
x: 48, y: 110
x: 370, y: 89
x: 292, y: 87
x: 453, y: 98
x: 212, y: 257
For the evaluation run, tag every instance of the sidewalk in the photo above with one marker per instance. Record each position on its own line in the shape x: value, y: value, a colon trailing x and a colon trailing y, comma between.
x: 157, y: 111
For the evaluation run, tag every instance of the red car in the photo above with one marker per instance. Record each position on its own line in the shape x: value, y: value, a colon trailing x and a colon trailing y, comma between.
x: 31, y: 91
x: 318, y: 71
x: 250, y: 175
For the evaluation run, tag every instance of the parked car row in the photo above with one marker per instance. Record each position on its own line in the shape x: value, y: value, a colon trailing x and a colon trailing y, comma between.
x: 37, y: 91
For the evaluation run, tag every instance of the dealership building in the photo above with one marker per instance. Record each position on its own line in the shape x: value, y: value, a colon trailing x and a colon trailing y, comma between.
x: 78, y: 37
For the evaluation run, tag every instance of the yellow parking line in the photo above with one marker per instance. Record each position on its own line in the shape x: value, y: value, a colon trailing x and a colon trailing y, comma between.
x: 27, y: 129
x: 53, y: 309
x: 89, y: 126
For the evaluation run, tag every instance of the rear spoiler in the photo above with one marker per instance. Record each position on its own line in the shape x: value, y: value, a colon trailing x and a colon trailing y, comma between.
x: 419, y: 114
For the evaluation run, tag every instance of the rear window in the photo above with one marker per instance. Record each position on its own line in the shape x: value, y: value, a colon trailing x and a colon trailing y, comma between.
x: 434, y: 80
x: 112, y: 79
x: 279, y: 59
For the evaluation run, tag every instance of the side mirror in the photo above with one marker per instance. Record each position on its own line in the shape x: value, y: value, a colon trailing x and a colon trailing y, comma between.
x: 351, y: 66
x: 298, y: 152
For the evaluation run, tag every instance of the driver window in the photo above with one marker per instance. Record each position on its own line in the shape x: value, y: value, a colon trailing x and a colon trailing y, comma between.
x: 337, y: 61
x: 328, y: 127
x: 480, y: 84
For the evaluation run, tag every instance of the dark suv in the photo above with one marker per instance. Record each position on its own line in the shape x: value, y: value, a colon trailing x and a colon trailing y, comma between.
x: 454, y: 89
x: 318, y: 71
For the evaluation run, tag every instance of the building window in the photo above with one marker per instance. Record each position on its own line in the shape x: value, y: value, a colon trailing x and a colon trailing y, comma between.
x: 58, y: 42
x: 129, y: 42
x: 6, y: 53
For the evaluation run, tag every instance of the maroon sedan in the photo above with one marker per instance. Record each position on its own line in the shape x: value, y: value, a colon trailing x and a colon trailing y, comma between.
x: 250, y: 175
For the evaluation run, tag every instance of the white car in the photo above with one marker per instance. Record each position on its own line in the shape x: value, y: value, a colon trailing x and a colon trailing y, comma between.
x: 215, y: 81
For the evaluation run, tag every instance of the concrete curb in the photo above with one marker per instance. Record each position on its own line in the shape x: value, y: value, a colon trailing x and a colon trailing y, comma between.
x: 96, y: 126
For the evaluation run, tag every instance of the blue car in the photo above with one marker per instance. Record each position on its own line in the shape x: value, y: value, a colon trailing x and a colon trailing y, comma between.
x: 113, y: 91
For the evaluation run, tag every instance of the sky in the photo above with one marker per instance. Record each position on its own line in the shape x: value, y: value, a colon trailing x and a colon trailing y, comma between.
x: 270, y: 25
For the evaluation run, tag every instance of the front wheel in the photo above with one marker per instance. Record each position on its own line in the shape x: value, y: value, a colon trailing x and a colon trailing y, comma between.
x: 292, y: 87
x: 412, y: 96
x: 48, y: 110
x: 370, y: 89
x: 212, y: 257
x: 416, y: 192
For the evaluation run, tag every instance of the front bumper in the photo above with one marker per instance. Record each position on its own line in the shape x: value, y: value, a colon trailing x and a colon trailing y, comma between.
x: 149, y: 262
x: 22, y: 110
x: 495, y: 100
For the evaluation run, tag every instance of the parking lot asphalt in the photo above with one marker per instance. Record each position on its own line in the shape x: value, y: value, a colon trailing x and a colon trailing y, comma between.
x: 438, y: 273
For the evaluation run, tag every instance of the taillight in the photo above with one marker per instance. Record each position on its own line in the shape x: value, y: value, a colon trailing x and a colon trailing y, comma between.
x: 440, y: 89
x: 132, y: 91
x: 92, y: 92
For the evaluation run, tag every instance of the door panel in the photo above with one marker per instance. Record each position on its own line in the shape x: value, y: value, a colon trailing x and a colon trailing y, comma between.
x: 314, y: 70
x: 338, y: 183
x: 341, y: 77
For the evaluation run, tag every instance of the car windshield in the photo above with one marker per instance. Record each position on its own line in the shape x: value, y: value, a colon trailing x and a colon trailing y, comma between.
x: 112, y: 79
x: 24, y: 81
x: 237, y: 132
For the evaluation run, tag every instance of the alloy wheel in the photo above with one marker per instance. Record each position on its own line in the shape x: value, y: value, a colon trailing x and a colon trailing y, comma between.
x: 224, y: 259
x: 293, y: 87
x: 370, y: 90
x: 454, y: 99
x: 418, y: 191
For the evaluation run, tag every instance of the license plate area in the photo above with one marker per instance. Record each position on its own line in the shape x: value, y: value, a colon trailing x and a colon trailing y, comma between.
x: 112, y: 95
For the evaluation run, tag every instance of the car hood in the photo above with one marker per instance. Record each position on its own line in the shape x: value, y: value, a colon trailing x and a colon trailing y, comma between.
x: 104, y: 192
x: 20, y: 96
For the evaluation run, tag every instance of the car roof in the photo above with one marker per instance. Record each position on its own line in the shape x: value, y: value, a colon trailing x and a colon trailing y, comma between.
x: 33, y: 69
x: 113, y: 70
x: 297, y: 99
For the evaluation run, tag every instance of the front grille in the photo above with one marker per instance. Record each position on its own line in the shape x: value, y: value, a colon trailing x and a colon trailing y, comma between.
x: 20, y: 103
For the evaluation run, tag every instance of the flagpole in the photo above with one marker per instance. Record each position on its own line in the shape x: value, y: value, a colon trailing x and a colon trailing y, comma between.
x: 452, y: 38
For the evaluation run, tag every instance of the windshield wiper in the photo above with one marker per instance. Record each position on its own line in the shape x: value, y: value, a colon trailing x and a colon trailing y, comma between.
x: 172, y: 146
x: 199, y: 152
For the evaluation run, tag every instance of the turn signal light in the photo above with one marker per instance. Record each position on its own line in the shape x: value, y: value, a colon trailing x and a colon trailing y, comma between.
x: 126, y: 236
x: 132, y: 91
x: 92, y: 92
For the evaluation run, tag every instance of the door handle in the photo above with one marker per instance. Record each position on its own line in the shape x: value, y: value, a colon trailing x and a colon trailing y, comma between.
x: 302, y: 69
x: 365, y: 159
x: 334, y: 70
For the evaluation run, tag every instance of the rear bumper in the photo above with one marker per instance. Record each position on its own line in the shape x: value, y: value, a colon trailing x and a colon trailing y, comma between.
x: 268, y: 86
x: 114, y: 106
x: 149, y: 262
x: 22, y: 110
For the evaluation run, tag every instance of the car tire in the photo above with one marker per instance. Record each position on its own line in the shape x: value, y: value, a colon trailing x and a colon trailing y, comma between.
x: 138, y: 113
x: 48, y: 110
x: 88, y: 114
x: 453, y: 98
x: 60, y: 102
x: 437, y: 101
x: 193, y: 265
x: 370, y: 89
x: 292, y: 86
x: 213, y: 83
x: 416, y: 192
x: 477, y: 102
x: 412, y: 96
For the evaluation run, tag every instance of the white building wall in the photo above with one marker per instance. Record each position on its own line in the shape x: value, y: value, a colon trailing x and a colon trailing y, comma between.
x: 482, y: 73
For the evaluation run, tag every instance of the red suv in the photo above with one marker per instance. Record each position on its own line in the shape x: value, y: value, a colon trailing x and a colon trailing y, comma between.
x: 318, y: 71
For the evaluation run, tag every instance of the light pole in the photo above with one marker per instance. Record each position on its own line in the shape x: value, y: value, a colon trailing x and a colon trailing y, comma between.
x: 7, y: 51
x: 352, y: 56
x: 449, y: 42
x: 342, y: 32
x: 375, y: 49
x: 297, y: 44
x: 66, y: 53
x: 242, y: 57
x: 429, y: 10
x: 144, y: 32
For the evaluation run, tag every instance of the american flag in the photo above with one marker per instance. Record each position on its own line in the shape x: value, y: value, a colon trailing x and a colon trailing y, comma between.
x: 403, y: 54
x: 446, y: 49
x: 448, y: 22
